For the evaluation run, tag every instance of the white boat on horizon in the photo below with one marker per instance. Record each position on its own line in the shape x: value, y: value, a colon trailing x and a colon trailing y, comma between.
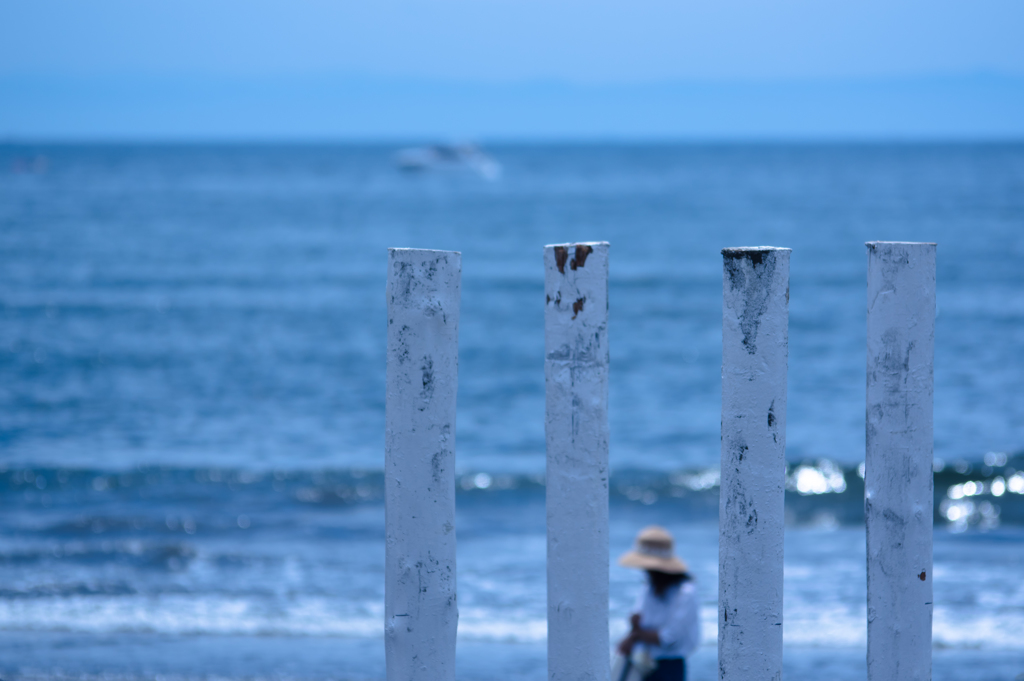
x: 448, y: 157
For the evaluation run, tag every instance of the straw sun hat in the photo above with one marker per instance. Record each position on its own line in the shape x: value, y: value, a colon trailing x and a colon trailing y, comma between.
x: 653, y: 551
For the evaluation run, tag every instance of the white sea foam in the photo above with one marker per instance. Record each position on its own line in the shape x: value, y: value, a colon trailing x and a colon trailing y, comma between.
x: 189, y: 614
x: 827, y: 626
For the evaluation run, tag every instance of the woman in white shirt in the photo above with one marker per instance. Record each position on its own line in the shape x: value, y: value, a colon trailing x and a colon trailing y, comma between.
x: 666, y: 619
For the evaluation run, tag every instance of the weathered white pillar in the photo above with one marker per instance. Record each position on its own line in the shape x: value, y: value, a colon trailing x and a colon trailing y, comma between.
x: 420, y: 611
x: 576, y: 426
x: 755, y: 355
x: 898, y: 462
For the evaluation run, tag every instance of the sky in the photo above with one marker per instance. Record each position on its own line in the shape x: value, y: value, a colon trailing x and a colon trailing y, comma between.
x: 312, y: 69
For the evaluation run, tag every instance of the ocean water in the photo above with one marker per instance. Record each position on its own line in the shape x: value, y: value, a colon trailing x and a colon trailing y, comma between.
x: 191, y: 394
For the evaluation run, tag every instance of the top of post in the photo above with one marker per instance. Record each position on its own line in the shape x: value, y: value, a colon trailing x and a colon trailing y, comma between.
x: 573, y: 256
x: 900, y: 249
x: 750, y: 251
x: 876, y: 244
x: 425, y: 251
x: 755, y: 254
x: 578, y: 243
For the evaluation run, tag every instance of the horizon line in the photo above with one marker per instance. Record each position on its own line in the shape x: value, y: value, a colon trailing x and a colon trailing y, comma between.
x: 925, y: 139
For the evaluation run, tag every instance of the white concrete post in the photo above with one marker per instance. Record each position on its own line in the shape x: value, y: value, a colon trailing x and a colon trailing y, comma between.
x: 898, y: 462
x: 755, y: 355
x: 576, y: 426
x: 420, y: 611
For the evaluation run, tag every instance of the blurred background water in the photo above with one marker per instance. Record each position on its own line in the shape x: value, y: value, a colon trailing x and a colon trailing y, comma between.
x: 191, y: 393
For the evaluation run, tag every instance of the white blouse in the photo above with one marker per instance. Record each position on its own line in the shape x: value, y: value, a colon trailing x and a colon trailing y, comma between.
x: 676, y: 616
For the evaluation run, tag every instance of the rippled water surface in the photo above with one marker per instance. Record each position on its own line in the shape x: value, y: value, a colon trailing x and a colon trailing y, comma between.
x: 191, y: 394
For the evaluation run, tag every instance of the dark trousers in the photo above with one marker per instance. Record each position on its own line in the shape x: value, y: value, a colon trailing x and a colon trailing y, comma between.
x: 669, y: 669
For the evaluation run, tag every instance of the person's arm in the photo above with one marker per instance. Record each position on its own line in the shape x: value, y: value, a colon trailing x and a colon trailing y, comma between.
x: 638, y: 635
x: 625, y: 646
x: 652, y: 636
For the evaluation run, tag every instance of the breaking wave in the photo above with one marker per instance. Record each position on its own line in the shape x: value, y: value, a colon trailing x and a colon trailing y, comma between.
x: 983, y: 494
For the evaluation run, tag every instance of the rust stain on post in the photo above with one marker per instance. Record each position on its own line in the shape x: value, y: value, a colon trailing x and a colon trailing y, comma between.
x: 580, y: 258
x: 561, y: 255
x: 577, y: 307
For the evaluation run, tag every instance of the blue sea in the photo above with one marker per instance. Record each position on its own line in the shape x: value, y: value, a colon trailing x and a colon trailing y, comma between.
x: 192, y: 344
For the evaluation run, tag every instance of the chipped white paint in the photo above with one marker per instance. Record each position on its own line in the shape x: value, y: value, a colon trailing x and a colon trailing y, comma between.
x: 576, y: 426
x: 420, y: 610
x: 755, y: 352
x: 898, y: 465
